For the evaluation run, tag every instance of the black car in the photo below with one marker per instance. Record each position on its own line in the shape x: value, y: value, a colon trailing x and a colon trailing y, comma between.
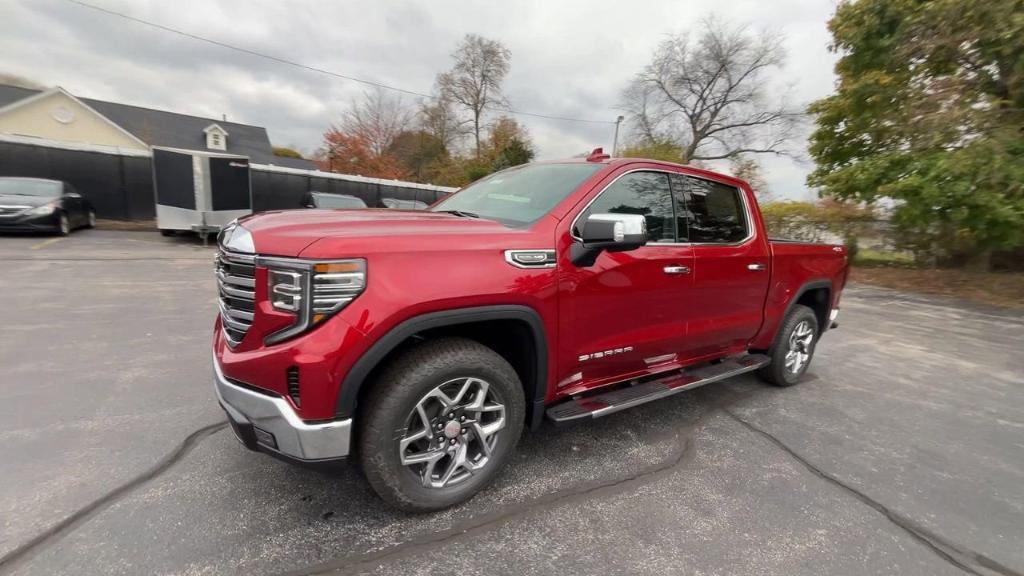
x: 403, y: 204
x: 37, y: 204
x: 327, y: 200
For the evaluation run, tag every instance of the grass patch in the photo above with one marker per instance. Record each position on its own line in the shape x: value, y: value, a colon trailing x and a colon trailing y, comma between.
x: 874, y: 258
x: 1004, y: 289
x: 125, y: 225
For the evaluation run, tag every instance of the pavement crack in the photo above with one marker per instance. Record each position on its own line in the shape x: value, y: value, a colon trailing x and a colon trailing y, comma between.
x: 684, y: 451
x: 959, y: 556
x: 58, y: 531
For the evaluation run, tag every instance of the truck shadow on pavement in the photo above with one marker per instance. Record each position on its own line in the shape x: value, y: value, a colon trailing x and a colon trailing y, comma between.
x: 552, y: 466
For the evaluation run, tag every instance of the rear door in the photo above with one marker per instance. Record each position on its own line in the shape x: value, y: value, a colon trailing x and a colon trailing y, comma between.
x: 626, y: 314
x: 731, y: 265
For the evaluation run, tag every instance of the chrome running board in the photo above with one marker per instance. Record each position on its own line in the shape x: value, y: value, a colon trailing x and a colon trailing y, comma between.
x: 612, y: 401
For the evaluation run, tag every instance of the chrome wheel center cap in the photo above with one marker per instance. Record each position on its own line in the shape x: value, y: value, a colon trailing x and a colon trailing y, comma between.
x: 451, y: 429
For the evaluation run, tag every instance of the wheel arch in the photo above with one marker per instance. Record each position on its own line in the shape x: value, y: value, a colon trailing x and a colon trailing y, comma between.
x: 532, y: 368
x: 816, y: 295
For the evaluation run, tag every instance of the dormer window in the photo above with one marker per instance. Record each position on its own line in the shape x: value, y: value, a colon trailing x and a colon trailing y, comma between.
x: 216, y: 137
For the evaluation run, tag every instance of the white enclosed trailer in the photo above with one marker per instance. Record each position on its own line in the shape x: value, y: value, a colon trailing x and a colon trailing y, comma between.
x: 199, y: 191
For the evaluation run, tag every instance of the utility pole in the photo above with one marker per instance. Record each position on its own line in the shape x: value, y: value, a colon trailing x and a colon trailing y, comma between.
x: 615, y: 144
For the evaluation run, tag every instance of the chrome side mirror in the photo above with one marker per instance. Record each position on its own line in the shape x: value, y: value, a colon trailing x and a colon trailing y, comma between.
x: 611, y: 232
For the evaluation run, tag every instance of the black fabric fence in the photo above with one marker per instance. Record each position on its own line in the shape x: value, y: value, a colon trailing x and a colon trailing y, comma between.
x: 121, y: 187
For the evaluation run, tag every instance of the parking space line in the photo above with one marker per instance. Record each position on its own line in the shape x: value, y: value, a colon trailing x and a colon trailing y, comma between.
x: 45, y: 243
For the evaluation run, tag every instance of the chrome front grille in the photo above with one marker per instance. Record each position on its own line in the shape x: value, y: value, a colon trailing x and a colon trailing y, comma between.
x: 236, y: 283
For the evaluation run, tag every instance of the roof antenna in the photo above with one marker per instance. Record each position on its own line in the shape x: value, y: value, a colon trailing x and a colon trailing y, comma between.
x: 598, y: 155
x: 224, y: 117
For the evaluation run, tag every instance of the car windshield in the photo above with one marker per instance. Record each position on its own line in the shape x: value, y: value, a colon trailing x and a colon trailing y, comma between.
x: 28, y: 187
x: 519, y: 196
x: 334, y: 201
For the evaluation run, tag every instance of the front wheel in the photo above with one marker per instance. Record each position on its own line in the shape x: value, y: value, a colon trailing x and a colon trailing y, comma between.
x: 793, y: 348
x: 90, y: 220
x: 63, y: 225
x: 439, y: 423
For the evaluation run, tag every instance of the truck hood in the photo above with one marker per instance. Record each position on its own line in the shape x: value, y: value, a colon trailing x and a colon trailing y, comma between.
x: 288, y: 233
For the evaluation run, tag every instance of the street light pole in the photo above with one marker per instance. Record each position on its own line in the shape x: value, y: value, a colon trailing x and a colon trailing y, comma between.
x: 615, y: 143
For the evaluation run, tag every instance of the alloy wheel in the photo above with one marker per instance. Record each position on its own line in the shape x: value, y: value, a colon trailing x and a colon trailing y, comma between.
x: 799, y: 353
x: 452, y: 432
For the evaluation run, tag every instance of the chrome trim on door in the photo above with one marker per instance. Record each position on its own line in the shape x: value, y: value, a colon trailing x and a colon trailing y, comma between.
x: 677, y: 269
x: 756, y: 267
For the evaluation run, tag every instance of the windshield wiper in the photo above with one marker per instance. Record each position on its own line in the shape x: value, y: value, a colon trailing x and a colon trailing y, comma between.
x: 460, y: 213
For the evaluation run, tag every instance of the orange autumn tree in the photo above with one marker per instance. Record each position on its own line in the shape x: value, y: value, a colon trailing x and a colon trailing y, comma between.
x: 348, y: 153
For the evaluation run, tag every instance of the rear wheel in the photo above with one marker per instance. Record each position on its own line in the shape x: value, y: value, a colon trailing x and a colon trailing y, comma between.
x: 793, y: 348
x: 440, y: 422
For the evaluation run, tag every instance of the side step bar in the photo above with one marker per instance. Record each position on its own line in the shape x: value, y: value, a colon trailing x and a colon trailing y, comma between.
x: 675, y: 382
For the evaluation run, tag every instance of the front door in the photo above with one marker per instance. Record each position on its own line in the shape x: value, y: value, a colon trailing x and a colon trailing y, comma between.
x: 625, y: 316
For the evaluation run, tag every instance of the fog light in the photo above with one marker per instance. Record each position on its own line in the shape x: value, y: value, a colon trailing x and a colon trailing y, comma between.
x: 264, y: 437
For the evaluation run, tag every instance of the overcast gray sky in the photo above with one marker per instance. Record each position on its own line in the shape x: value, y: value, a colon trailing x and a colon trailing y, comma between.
x: 569, y: 58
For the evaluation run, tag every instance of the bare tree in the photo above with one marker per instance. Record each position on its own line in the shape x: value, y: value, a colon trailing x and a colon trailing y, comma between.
x: 706, y: 93
x: 438, y: 119
x: 377, y: 118
x: 474, y: 82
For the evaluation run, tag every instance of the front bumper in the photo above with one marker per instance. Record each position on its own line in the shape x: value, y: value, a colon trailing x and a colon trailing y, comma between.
x: 268, y: 423
x: 23, y: 223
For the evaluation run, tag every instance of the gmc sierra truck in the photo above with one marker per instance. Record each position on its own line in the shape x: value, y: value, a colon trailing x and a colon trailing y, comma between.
x: 422, y: 342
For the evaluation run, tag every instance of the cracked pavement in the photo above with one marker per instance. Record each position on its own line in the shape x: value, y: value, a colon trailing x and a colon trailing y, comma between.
x: 903, y: 452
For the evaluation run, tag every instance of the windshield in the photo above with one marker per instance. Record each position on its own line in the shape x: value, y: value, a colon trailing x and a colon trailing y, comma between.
x: 28, y: 187
x: 332, y: 201
x: 521, y: 195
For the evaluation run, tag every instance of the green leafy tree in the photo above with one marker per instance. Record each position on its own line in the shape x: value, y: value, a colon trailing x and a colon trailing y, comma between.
x: 286, y: 152
x: 929, y: 112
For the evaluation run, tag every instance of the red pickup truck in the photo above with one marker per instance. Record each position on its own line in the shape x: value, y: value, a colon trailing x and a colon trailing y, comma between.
x: 422, y: 342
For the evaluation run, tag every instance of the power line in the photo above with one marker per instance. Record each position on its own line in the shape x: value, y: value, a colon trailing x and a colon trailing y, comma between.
x: 306, y: 66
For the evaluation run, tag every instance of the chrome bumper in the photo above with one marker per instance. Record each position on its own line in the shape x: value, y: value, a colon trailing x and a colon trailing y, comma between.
x: 266, y: 422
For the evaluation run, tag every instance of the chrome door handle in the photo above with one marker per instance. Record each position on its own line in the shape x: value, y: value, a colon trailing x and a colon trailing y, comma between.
x: 677, y: 269
x: 757, y: 267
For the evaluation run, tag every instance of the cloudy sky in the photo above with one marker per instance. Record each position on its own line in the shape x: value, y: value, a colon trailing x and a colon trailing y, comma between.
x: 569, y: 58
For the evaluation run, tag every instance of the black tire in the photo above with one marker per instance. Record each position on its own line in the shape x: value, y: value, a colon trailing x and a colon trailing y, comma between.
x: 63, y: 225
x: 777, y: 372
x: 166, y: 233
x: 384, y: 419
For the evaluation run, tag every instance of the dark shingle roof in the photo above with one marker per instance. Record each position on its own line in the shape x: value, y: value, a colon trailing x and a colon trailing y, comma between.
x: 11, y: 94
x: 160, y: 128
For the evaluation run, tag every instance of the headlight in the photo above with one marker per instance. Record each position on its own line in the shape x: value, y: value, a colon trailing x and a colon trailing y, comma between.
x: 43, y: 210
x: 313, y: 291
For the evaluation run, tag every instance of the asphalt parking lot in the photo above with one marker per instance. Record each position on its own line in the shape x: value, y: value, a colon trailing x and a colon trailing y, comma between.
x: 902, y: 453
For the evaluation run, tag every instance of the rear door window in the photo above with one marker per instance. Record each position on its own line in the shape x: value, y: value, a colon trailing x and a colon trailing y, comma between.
x: 712, y: 212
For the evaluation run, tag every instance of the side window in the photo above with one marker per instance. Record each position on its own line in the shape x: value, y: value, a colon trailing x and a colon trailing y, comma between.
x: 645, y: 193
x: 714, y: 211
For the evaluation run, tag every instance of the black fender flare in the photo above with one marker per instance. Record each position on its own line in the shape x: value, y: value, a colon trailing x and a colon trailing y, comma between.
x: 354, y: 380
x: 804, y: 288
